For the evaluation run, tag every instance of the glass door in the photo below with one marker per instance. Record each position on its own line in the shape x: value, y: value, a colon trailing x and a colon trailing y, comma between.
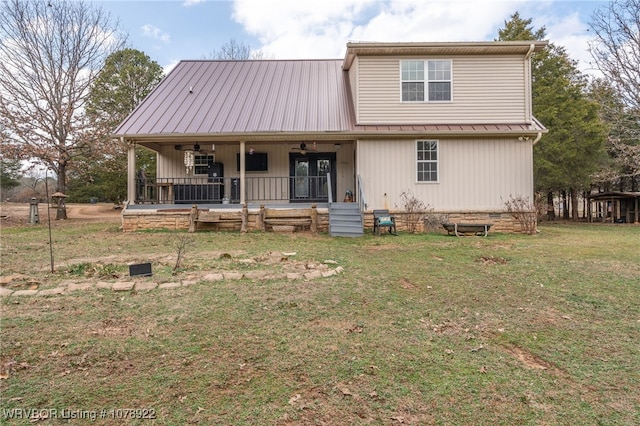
x: 308, y: 175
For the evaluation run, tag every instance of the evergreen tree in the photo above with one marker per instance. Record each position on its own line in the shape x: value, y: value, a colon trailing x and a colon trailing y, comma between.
x: 9, y: 175
x: 566, y: 157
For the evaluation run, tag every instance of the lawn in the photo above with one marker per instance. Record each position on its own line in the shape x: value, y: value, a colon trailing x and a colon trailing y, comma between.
x: 416, y: 329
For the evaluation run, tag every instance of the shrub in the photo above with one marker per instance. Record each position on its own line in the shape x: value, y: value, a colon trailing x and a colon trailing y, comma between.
x: 524, y: 210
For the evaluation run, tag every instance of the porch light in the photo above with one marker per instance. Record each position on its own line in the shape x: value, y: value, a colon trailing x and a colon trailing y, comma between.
x: 189, y: 160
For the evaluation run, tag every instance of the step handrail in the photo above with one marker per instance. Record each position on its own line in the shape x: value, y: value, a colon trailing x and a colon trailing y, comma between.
x: 362, y: 201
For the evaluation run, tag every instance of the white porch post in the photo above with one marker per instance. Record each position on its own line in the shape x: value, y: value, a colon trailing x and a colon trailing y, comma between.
x: 242, y: 173
x: 131, y: 171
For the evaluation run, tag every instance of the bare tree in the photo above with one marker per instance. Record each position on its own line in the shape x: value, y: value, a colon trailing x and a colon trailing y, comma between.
x: 616, y: 51
x: 50, y: 53
x: 616, y: 48
x: 234, y: 51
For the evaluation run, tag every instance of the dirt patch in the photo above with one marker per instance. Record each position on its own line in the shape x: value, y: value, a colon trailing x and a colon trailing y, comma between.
x: 528, y: 359
x: 17, y: 214
x: 492, y: 260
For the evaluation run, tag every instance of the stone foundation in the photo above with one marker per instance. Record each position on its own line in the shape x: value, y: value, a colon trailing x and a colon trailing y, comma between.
x: 501, y: 222
x: 178, y: 219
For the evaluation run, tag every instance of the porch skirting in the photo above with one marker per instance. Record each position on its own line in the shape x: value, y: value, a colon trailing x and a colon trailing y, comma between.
x: 142, y: 218
x: 171, y: 218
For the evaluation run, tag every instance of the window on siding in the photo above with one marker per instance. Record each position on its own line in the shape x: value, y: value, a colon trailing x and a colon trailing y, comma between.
x: 201, y: 164
x: 427, y: 161
x: 434, y: 85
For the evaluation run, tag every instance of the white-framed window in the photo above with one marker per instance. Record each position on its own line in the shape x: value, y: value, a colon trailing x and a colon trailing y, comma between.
x: 201, y: 164
x: 427, y: 160
x: 427, y: 80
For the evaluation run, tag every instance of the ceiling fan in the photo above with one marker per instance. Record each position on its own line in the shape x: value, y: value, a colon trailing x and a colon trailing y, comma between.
x: 207, y: 149
x: 304, y: 148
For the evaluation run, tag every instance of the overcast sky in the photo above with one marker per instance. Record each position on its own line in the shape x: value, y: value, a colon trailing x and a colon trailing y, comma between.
x: 169, y: 31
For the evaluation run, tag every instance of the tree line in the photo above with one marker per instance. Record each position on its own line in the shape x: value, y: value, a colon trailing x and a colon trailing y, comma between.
x: 67, y: 80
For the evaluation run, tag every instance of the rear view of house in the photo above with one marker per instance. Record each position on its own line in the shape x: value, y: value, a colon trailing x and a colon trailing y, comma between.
x: 449, y: 123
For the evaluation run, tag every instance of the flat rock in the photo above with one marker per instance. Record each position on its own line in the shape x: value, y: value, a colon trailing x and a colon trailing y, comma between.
x: 169, y: 285
x: 25, y: 293
x: 145, y: 286
x: 122, y: 286
x: 51, y: 291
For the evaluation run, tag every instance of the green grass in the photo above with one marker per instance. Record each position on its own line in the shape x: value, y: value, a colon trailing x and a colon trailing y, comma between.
x: 419, y: 329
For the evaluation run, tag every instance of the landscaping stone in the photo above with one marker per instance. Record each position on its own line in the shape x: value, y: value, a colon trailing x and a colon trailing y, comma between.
x: 145, y: 286
x: 213, y: 277
x: 79, y: 286
x: 51, y: 291
x: 312, y: 275
x: 255, y: 275
x: 104, y: 285
x: 169, y: 285
x: 25, y: 293
x: 299, y: 270
x: 232, y: 275
x: 122, y: 286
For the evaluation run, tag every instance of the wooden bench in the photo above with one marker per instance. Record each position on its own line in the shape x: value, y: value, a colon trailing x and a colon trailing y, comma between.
x: 383, y: 219
x: 221, y: 220
x: 459, y: 229
x: 289, y: 219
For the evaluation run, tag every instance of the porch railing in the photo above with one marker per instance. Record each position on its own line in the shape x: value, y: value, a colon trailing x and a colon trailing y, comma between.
x: 227, y: 189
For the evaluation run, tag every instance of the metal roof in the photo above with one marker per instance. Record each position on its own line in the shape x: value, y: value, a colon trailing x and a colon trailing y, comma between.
x: 271, y: 100
x: 207, y: 97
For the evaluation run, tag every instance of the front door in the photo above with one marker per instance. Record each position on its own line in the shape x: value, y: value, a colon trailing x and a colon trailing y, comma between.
x: 308, y: 176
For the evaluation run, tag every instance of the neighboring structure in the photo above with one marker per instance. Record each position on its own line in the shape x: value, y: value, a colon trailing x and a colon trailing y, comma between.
x: 614, y: 206
x: 450, y: 124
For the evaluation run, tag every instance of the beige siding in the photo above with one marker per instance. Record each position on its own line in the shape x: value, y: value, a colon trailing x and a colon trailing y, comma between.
x: 171, y: 162
x: 353, y: 83
x: 474, y: 174
x: 486, y: 89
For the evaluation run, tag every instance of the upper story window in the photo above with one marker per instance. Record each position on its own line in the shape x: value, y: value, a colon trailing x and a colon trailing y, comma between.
x: 432, y: 85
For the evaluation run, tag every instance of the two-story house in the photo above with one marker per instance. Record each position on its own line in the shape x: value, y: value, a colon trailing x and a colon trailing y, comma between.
x: 450, y: 124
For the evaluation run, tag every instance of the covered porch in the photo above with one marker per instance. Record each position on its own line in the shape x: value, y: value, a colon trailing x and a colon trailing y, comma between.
x: 243, y: 173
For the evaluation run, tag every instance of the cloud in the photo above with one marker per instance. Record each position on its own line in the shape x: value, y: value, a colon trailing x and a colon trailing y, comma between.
x: 156, y: 33
x: 573, y: 34
x: 189, y: 3
x: 288, y: 29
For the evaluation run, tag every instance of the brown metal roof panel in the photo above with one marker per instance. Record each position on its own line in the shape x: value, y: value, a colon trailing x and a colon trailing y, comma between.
x: 175, y: 105
x: 246, y: 96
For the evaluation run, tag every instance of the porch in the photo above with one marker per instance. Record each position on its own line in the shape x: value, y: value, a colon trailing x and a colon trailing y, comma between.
x: 270, y: 204
x: 226, y: 191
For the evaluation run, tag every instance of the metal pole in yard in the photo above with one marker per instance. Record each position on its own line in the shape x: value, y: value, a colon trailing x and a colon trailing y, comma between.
x: 46, y: 190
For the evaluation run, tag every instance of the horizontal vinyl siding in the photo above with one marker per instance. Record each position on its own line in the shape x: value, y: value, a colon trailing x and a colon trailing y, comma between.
x: 486, y: 89
x: 474, y: 175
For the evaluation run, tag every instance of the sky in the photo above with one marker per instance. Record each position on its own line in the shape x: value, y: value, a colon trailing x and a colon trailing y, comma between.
x: 171, y: 30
